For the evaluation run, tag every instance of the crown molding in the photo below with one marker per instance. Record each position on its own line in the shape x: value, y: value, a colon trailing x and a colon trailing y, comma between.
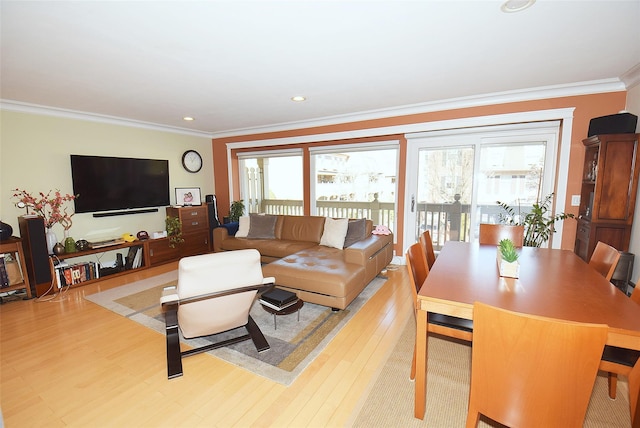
x: 632, y: 77
x: 555, y: 91
x: 21, y: 107
x: 412, y: 129
x: 531, y: 94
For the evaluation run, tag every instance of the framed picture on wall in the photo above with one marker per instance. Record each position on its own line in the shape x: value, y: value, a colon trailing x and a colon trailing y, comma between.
x: 187, y: 196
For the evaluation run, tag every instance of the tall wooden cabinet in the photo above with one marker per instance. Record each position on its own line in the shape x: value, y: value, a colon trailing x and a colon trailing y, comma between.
x: 608, y: 194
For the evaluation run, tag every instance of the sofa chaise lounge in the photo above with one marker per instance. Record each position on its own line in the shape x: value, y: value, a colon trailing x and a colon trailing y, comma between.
x: 310, y: 255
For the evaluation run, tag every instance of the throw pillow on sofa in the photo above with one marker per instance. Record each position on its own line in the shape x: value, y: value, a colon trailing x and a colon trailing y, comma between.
x: 262, y: 226
x: 243, y: 227
x: 335, y: 230
x: 357, y: 231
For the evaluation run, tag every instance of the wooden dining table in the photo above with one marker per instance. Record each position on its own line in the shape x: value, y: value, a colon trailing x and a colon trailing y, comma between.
x: 552, y: 283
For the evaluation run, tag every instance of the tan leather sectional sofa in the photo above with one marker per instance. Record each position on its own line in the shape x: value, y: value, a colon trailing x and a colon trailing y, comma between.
x: 316, y: 273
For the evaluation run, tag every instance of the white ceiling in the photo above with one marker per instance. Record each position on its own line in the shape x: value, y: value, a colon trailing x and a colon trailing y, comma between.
x: 235, y: 64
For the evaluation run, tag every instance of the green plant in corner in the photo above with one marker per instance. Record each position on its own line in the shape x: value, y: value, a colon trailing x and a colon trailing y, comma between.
x: 174, y: 231
x: 236, y: 211
x: 538, y: 226
x: 508, y: 250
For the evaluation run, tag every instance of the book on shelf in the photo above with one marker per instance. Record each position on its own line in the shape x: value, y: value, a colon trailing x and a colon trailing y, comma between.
x: 131, y: 254
x: 76, y: 273
x: 276, y: 307
x: 13, y: 269
x: 134, y: 258
x: 4, y: 276
x: 137, y: 260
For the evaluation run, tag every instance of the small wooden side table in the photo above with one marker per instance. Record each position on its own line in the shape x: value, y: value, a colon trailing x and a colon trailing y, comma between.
x: 13, y: 246
x: 286, y: 311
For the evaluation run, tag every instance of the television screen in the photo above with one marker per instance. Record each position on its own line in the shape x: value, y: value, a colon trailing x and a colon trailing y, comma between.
x: 112, y: 183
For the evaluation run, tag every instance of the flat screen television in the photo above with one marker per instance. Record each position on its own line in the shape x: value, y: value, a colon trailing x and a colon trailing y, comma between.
x: 113, y: 183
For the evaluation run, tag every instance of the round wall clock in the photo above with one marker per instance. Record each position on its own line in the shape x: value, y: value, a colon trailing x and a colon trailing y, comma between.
x: 192, y: 161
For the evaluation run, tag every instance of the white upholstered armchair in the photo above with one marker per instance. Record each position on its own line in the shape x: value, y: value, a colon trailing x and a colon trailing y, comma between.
x: 214, y: 294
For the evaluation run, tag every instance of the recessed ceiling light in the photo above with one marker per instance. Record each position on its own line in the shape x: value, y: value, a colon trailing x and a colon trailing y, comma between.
x: 188, y: 118
x: 516, y: 5
x: 298, y: 98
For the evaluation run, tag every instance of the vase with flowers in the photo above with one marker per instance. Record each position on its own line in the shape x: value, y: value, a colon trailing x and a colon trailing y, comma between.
x: 50, y: 207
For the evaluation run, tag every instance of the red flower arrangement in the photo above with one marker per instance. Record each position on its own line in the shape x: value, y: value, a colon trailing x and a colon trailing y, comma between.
x: 49, y: 207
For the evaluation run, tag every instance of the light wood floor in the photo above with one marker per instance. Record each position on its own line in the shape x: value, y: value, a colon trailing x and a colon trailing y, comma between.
x: 73, y: 363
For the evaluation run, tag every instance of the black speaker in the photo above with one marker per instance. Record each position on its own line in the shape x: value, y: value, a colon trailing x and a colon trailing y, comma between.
x: 621, y: 123
x: 212, y: 207
x: 36, y: 255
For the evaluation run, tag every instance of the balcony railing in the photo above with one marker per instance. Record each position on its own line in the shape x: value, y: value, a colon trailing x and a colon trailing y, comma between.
x: 452, y: 221
x: 379, y: 212
x: 445, y: 221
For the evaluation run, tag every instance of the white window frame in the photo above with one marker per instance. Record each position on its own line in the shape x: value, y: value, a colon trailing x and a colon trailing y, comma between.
x: 477, y: 137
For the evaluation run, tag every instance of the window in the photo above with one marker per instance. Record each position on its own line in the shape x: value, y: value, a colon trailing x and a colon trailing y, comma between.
x: 271, y: 182
x: 355, y: 181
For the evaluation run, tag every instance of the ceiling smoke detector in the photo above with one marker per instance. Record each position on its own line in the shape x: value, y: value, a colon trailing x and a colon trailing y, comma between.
x: 516, y: 5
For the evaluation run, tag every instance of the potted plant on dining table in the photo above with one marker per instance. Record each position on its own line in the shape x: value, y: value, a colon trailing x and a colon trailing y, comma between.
x: 507, y: 257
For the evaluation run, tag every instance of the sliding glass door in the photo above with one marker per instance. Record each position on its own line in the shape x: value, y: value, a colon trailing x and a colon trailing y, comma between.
x: 455, y: 179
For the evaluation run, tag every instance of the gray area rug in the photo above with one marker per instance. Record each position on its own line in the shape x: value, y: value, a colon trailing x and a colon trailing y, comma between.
x: 389, y: 402
x: 294, y: 343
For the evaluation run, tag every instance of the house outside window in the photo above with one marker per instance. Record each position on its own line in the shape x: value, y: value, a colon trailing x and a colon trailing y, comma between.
x: 355, y: 181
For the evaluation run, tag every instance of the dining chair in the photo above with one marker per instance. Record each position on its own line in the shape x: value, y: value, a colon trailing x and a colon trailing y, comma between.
x: 532, y: 371
x: 427, y: 247
x: 615, y: 361
x: 444, y: 325
x: 492, y: 234
x: 604, y: 259
x: 620, y: 361
x: 635, y: 380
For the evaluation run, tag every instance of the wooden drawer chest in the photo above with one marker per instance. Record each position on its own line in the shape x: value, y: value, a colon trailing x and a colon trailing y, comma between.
x: 195, y: 229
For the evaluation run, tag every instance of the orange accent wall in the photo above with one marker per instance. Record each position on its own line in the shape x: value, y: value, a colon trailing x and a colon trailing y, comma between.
x: 586, y: 107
